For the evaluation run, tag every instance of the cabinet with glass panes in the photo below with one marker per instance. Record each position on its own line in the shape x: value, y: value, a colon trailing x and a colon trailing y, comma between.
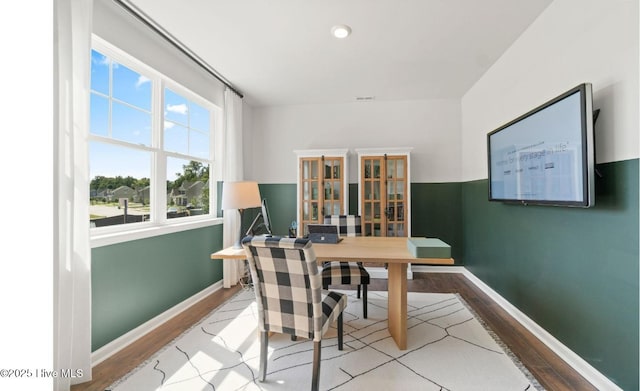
x: 384, y: 191
x: 384, y: 199
x: 322, y: 186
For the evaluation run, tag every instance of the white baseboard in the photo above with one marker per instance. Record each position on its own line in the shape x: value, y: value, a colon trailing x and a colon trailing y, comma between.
x: 437, y: 269
x: 593, y: 376
x: 123, y: 341
x: 381, y: 272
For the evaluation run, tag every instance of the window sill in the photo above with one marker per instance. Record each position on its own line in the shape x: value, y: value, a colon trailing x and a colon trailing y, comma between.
x: 106, y: 239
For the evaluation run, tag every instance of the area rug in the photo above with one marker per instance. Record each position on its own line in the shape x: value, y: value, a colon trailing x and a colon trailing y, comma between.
x: 448, y: 349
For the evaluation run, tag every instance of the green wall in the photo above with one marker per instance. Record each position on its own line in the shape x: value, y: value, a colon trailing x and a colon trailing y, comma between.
x: 573, y: 271
x: 281, y: 201
x: 135, y: 281
x: 436, y: 213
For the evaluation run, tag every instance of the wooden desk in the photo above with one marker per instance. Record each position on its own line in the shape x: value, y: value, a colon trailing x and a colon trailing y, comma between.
x: 390, y: 250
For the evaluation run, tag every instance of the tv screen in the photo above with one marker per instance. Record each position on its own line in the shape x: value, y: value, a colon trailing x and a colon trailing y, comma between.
x: 546, y: 156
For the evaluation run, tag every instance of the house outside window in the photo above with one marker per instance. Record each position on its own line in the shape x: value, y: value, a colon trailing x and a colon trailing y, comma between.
x: 150, y: 146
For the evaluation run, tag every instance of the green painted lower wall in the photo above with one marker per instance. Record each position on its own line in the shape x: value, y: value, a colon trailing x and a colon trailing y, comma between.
x: 282, y: 202
x: 573, y: 271
x: 135, y: 281
x: 436, y: 213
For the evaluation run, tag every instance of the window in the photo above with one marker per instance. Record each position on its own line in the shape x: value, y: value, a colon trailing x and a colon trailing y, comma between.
x: 150, y: 146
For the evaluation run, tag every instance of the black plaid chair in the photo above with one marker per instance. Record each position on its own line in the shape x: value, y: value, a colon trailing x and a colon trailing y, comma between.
x: 289, y: 295
x: 346, y: 273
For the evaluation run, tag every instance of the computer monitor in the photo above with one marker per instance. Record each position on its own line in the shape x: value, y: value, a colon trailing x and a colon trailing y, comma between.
x: 266, y: 221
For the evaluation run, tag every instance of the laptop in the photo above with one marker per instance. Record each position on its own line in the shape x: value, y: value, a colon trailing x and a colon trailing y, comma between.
x: 323, y: 233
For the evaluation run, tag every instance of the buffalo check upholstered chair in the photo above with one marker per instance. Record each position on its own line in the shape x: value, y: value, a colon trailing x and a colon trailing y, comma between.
x: 346, y: 273
x: 289, y: 295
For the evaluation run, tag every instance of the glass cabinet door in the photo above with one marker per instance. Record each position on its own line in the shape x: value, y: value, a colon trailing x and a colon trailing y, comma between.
x: 372, y: 218
x: 332, y: 183
x: 321, y: 187
x: 396, y: 184
x: 309, y: 188
x: 384, y: 195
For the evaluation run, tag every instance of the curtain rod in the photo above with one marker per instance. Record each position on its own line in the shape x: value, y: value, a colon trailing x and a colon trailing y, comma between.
x: 144, y: 18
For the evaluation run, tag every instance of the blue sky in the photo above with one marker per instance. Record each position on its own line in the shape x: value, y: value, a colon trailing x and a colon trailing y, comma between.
x: 186, y: 124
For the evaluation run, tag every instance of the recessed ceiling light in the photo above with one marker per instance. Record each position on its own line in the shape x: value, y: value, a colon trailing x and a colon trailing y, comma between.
x: 341, y: 31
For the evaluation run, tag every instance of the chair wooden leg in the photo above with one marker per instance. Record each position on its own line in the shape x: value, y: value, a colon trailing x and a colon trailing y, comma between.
x: 340, y: 331
x: 264, y: 347
x: 315, y: 379
x: 364, y: 300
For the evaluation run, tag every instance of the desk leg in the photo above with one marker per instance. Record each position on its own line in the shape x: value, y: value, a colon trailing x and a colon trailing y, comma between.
x: 397, y: 304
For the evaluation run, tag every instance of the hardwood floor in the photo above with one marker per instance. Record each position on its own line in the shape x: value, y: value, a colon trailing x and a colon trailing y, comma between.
x: 550, y: 371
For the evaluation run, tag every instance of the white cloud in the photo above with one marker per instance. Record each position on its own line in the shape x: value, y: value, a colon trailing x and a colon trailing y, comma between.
x: 179, y: 109
x: 168, y: 125
x: 142, y: 80
x: 104, y: 60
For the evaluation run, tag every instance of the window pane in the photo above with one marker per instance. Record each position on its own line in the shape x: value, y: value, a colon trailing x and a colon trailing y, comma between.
x: 186, y: 126
x: 391, y: 168
x: 131, y: 125
x: 131, y: 87
x: 119, y: 188
x: 305, y: 169
x: 176, y: 107
x: 99, y: 115
x: 176, y: 138
x: 187, y: 188
x: 199, y: 117
x: 199, y: 144
x: 400, y: 168
x: 99, y: 72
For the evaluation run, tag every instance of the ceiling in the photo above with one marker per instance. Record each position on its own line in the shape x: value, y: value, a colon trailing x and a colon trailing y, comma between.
x: 281, y: 52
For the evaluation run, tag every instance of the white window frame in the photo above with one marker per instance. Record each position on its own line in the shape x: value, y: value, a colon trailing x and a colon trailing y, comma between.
x: 160, y: 224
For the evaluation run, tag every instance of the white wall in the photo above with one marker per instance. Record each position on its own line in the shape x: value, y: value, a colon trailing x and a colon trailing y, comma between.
x: 431, y: 127
x: 113, y: 24
x: 571, y: 42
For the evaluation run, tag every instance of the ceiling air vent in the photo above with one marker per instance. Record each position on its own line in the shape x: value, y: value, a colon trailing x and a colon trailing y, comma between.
x: 365, y: 98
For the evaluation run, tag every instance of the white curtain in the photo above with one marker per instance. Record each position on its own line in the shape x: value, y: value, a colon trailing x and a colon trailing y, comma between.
x: 232, y: 171
x: 72, y: 252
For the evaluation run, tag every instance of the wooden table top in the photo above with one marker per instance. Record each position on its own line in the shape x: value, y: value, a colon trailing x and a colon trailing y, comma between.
x: 360, y: 248
x: 373, y: 249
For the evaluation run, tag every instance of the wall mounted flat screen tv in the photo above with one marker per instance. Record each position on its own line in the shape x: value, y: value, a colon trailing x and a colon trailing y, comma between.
x: 546, y: 156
